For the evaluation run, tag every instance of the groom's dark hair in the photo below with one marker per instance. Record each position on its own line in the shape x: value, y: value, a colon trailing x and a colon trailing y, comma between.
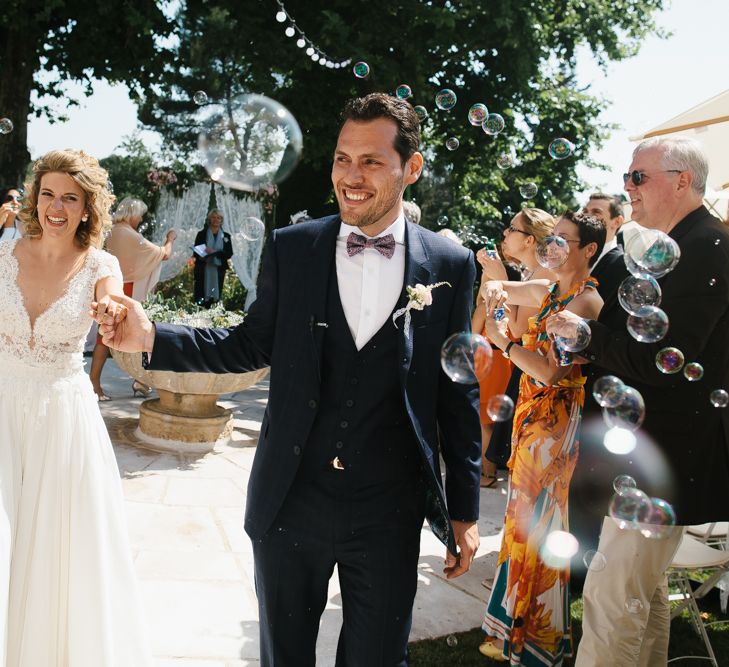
x: 380, y: 105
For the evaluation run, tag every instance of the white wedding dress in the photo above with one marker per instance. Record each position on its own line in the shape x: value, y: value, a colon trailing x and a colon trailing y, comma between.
x: 68, y: 595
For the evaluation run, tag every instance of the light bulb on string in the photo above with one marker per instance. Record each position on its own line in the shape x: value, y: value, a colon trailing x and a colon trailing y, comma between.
x: 281, y: 16
x: 290, y: 31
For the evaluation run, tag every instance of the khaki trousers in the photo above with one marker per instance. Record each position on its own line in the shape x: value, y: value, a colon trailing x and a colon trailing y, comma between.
x: 627, y: 616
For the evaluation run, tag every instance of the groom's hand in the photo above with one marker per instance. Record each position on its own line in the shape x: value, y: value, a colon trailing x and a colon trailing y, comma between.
x: 133, y: 333
x: 467, y: 541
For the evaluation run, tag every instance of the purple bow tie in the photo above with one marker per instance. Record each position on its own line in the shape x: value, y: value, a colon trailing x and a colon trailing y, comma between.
x: 385, y: 245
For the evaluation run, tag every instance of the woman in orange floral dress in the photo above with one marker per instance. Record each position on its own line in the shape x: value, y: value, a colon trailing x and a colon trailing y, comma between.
x: 528, y: 618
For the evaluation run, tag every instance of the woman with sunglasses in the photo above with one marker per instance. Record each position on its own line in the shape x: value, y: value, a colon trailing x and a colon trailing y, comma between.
x: 527, y: 617
x: 9, y: 206
x: 526, y: 230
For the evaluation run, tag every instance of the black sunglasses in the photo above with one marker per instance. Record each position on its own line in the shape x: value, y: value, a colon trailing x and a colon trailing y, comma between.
x: 12, y: 198
x: 638, y: 177
x: 511, y: 228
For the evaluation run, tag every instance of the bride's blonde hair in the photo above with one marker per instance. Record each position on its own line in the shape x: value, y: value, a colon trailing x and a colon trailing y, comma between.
x: 90, y: 176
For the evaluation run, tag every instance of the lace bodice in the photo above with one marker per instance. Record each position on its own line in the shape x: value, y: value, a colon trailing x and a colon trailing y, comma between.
x: 56, y: 340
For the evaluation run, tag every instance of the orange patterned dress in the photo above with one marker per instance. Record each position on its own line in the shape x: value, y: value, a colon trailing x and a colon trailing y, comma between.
x: 529, y: 604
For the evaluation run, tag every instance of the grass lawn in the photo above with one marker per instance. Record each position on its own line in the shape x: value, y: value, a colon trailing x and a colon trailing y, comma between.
x: 463, y: 648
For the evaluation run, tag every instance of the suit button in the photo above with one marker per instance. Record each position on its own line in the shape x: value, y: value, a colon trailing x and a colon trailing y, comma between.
x: 404, y: 360
x: 349, y: 403
x: 344, y: 423
x: 297, y: 450
x: 339, y: 444
x: 312, y: 403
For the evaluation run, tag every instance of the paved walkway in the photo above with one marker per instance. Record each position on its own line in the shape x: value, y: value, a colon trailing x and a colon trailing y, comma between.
x: 195, y: 563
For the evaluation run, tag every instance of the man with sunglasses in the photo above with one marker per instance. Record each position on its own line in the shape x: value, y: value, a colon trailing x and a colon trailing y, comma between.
x: 681, y: 454
x: 9, y: 207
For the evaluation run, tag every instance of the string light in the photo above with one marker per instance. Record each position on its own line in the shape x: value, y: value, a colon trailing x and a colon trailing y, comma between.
x: 312, y: 50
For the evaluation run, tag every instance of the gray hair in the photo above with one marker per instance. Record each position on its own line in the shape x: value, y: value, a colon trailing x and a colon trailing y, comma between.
x: 215, y: 211
x: 683, y: 154
x: 411, y: 211
x: 128, y: 209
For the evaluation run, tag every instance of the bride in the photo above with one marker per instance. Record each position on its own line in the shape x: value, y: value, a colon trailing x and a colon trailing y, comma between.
x: 68, y: 595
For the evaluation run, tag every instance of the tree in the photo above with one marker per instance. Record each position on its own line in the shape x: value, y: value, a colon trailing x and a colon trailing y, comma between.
x: 516, y: 56
x: 47, y: 44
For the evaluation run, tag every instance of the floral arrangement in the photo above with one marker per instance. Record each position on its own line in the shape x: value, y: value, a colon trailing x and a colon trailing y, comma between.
x: 419, y: 297
x: 159, y: 309
x: 161, y: 177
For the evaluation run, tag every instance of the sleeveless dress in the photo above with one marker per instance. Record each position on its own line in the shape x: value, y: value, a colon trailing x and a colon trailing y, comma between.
x: 68, y: 593
x: 529, y: 603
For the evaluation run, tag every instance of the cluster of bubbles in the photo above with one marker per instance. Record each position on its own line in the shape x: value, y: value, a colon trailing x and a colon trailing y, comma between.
x: 361, y: 69
x: 248, y: 142
x: 633, y: 509
x: 622, y: 406
x: 466, y: 358
x: 6, y: 126
x: 552, y: 252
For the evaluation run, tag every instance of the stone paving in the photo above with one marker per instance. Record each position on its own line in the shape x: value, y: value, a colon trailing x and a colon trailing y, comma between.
x: 195, y: 562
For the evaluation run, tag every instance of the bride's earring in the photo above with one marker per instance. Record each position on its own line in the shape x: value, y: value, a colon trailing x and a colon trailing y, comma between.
x: 85, y: 218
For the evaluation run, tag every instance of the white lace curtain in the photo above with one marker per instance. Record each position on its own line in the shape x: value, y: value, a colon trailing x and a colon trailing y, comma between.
x: 186, y: 215
x: 246, y: 253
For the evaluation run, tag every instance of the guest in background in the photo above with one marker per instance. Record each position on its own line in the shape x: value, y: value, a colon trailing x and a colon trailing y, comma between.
x: 141, y: 262
x: 209, y: 271
x: 412, y: 212
x: 10, y: 226
x: 609, y: 269
x: 525, y: 232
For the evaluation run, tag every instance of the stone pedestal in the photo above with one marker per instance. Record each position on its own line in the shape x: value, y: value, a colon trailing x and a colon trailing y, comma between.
x: 186, y: 417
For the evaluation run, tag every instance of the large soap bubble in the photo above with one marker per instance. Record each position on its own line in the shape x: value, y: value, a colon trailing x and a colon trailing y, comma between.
x: 649, y: 325
x: 249, y: 142
x: 638, y: 291
x: 552, y: 252
x: 466, y: 358
x: 627, y: 410
x: 651, y: 251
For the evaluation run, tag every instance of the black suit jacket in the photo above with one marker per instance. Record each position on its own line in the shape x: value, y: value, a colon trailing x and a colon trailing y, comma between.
x: 682, y: 453
x: 610, y: 271
x: 280, y: 331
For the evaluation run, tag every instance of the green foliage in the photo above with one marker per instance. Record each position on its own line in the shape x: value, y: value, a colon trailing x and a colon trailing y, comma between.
x: 178, y: 292
x: 517, y: 56
x: 159, y: 309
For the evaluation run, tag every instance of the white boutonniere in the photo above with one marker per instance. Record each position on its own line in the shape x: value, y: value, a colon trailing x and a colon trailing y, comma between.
x: 419, y: 297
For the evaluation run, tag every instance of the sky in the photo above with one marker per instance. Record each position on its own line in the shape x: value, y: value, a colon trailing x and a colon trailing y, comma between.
x: 667, y: 77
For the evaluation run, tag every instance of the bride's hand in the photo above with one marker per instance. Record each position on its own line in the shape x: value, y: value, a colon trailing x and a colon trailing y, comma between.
x: 132, y: 332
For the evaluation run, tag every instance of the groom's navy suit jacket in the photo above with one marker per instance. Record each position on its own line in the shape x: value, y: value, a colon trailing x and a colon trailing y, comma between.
x: 280, y: 331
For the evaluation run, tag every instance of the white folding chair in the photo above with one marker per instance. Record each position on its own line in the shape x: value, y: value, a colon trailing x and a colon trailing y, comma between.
x: 693, y: 555
x: 713, y: 534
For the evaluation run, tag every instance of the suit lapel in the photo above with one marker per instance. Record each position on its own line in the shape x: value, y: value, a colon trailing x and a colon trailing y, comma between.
x: 417, y: 270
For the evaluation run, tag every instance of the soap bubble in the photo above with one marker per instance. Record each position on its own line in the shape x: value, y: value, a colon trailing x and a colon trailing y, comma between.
x: 638, y: 291
x: 200, y: 97
x: 252, y: 229
x: 500, y: 408
x: 651, y: 251
x: 445, y: 99
x: 669, y: 360
x: 452, y: 143
x: 619, y: 441
x: 712, y: 282
x: 361, y: 70
x: 403, y: 91
x: 249, y: 142
x: 558, y: 548
x: 628, y: 410
x: 552, y: 252
x: 561, y: 148
x: 693, y: 372
x: 622, y: 482
x: 421, y: 112
x: 528, y: 190
x: 493, y: 124
x: 649, y: 325
x: 466, y: 358
x: 6, y: 126
x: 606, y: 391
x: 442, y: 220
x: 719, y: 398
x: 505, y: 161
x: 477, y: 114
x: 658, y: 519
x: 452, y: 640
x: 572, y: 336
x: 627, y: 506
x: 594, y: 561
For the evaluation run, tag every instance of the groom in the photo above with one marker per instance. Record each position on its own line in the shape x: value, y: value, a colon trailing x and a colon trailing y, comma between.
x: 359, y: 411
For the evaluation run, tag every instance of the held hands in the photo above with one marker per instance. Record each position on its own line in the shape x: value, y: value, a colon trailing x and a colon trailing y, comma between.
x: 467, y: 541
x: 132, y: 332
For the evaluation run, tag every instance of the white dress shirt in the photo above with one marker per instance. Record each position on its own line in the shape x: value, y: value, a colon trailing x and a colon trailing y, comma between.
x: 370, y: 284
x: 612, y: 243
